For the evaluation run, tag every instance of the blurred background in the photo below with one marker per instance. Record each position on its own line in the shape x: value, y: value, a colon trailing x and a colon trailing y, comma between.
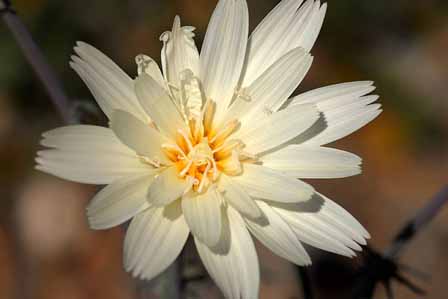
x: 46, y: 248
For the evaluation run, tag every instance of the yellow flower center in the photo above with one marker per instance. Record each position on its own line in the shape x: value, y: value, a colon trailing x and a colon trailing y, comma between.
x: 202, y: 152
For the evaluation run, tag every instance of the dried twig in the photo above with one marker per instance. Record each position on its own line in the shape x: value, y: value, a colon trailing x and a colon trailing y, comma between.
x: 383, y: 268
x: 306, y: 283
x: 165, y: 286
x: 37, y: 60
x: 423, y: 217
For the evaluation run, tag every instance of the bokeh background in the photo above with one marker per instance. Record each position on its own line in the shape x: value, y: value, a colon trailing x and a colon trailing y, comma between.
x: 46, y: 248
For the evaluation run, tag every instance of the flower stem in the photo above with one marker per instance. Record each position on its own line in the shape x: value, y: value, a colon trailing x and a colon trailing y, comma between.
x: 306, y: 283
x: 423, y: 217
x: 37, y: 60
x: 165, y: 286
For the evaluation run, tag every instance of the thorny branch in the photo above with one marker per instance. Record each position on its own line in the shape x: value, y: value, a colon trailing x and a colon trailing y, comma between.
x: 423, y: 217
x: 167, y: 285
x: 383, y: 268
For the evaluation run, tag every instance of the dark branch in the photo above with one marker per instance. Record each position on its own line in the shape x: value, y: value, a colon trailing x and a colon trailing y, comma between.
x: 37, y: 60
x: 412, y: 227
x: 306, y: 283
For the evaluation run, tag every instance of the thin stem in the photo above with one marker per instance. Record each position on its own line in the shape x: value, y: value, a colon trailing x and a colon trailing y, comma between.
x: 423, y: 217
x: 165, y: 286
x: 306, y: 283
x: 37, y: 60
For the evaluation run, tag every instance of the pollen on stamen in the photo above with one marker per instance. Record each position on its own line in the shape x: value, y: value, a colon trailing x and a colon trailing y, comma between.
x: 225, y: 132
x: 200, y: 152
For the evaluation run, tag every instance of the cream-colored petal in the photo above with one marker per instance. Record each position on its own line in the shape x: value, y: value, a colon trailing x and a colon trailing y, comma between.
x: 111, y: 86
x: 88, y: 154
x: 233, y: 263
x: 278, y: 236
x: 154, y: 239
x: 285, y: 28
x: 344, y: 126
x: 167, y: 187
x: 236, y: 196
x: 302, y: 161
x: 159, y: 106
x: 272, y: 88
x: 344, y: 109
x: 147, y: 65
x: 350, y: 225
x: 179, y: 52
x: 140, y: 137
x: 203, y: 215
x: 223, y: 51
x: 308, y: 31
x: 310, y: 235
x: 277, y: 128
x: 335, y: 95
x: 265, y: 183
x: 119, y: 201
x: 323, y: 224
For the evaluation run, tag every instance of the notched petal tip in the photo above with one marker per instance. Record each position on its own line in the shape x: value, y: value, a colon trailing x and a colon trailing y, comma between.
x: 323, y: 7
x: 82, y: 44
x: 39, y: 163
x: 40, y: 153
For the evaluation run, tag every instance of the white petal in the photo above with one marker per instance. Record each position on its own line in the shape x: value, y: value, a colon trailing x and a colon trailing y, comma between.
x: 147, y: 65
x: 236, y: 196
x: 344, y: 110
x: 111, y: 87
x: 310, y: 235
x: 285, y: 28
x: 233, y: 264
x: 344, y: 126
x: 333, y: 96
x: 88, y: 154
x: 278, y: 236
x: 279, y: 81
x: 140, y: 137
x: 119, y: 201
x: 167, y: 187
x: 345, y: 219
x: 179, y: 52
x: 154, y: 240
x: 224, y: 50
x: 323, y: 224
x: 203, y: 215
x: 310, y: 28
x: 269, y: 91
x: 265, y: 183
x: 159, y: 106
x: 302, y: 161
x: 277, y: 128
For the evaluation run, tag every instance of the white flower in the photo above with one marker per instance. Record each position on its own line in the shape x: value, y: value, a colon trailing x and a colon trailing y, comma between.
x: 210, y: 146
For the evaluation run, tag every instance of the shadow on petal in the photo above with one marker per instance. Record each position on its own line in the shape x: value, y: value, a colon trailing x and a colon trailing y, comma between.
x: 313, y: 205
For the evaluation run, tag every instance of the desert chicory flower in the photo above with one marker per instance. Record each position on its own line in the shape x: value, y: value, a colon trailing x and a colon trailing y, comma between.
x: 213, y: 145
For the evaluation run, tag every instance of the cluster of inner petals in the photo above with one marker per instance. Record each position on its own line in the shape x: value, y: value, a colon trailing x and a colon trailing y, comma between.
x: 201, y: 152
